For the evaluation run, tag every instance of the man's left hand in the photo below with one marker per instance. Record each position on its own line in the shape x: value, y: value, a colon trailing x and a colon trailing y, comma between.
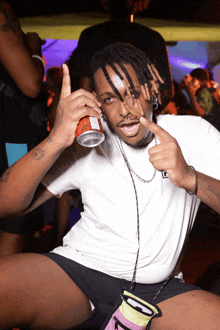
x: 167, y: 156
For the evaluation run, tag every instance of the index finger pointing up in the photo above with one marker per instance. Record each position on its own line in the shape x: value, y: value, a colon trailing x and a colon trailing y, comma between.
x: 160, y: 133
x: 66, y: 85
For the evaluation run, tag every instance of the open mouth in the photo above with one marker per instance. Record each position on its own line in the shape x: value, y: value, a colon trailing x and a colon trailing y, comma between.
x: 130, y: 130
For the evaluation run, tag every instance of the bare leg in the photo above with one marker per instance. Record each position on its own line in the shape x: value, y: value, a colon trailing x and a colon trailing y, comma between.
x: 36, y: 293
x: 189, y: 311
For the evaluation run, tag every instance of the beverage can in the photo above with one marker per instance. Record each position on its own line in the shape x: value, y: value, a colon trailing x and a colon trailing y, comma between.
x: 89, y: 132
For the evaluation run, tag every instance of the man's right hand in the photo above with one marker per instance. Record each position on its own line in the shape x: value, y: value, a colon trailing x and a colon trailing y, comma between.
x: 71, y: 108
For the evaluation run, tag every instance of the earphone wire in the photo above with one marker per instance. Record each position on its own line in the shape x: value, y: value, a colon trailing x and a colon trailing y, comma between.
x: 138, y: 233
x: 138, y: 221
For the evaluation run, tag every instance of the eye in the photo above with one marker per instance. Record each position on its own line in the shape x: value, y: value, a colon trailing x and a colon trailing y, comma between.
x: 109, y: 100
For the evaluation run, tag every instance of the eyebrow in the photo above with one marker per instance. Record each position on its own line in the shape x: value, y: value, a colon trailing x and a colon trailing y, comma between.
x: 107, y: 94
x: 112, y: 93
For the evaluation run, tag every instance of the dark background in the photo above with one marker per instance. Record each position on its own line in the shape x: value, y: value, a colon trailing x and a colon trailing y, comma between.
x: 187, y: 10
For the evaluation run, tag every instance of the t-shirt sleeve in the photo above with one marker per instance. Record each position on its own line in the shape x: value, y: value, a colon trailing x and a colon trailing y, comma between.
x: 199, y: 142
x: 208, y: 154
x: 60, y: 176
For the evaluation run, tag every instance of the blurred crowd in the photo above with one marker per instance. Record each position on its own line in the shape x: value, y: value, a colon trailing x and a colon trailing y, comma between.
x: 197, y: 94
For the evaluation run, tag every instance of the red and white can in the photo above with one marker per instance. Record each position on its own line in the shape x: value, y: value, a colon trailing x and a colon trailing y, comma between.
x: 89, y: 132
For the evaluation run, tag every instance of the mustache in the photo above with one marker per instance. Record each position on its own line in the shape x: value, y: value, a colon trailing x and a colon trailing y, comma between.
x: 128, y: 122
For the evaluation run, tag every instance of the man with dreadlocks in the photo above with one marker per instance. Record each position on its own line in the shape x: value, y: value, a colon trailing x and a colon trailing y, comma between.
x: 120, y: 29
x: 141, y: 189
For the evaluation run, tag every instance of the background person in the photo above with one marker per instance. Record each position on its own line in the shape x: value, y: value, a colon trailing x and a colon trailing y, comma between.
x: 119, y: 28
x: 203, y: 95
x: 179, y: 104
x: 21, y: 77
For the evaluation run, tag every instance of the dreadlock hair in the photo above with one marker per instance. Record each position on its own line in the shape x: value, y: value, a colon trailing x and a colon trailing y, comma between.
x: 123, y: 53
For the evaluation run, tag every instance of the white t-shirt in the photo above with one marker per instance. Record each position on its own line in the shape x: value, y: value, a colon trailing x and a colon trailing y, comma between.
x: 105, y: 238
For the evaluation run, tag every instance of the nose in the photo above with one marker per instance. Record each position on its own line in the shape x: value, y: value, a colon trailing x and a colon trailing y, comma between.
x: 124, y: 110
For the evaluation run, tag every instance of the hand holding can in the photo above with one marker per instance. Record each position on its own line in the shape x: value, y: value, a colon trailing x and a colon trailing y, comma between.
x: 71, y: 108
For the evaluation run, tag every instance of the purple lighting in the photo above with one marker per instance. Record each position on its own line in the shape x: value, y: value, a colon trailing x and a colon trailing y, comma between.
x: 183, y: 63
x: 184, y: 57
x: 57, y: 52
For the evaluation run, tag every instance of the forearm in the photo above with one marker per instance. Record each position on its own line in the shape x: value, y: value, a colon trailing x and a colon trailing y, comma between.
x: 18, y: 184
x: 27, y: 74
x: 15, y: 54
x: 208, y: 191
x: 206, y: 188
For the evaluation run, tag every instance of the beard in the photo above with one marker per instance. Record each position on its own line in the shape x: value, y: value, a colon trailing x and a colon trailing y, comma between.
x: 143, y: 142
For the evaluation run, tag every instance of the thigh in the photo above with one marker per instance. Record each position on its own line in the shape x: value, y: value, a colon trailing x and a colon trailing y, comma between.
x: 189, y: 311
x: 36, y: 293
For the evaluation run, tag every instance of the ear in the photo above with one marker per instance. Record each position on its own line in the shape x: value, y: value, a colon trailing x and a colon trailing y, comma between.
x: 155, y: 102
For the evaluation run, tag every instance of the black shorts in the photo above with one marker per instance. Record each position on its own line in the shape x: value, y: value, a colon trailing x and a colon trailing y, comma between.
x: 104, y: 290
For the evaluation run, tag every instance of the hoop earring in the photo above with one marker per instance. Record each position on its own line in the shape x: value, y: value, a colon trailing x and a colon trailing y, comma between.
x: 155, y: 103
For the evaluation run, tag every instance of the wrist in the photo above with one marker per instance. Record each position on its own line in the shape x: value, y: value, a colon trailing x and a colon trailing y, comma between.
x: 61, y: 142
x: 192, y: 182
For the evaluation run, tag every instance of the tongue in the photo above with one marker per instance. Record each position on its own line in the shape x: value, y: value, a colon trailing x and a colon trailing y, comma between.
x: 130, y: 129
